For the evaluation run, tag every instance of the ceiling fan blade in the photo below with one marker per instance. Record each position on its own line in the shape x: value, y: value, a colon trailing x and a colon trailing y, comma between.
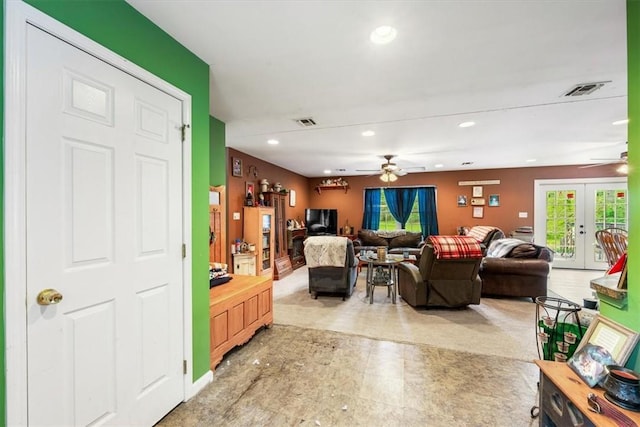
x: 367, y: 170
x: 595, y: 165
x: 400, y: 172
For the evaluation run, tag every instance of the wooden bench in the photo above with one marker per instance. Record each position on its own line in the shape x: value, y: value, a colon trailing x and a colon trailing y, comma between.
x: 237, y: 310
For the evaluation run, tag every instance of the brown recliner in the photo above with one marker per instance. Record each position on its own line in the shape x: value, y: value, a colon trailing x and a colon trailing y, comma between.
x: 331, y: 278
x: 440, y: 282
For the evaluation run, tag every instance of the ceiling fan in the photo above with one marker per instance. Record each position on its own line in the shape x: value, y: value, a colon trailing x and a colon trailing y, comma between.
x: 622, y: 159
x: 389, y: 171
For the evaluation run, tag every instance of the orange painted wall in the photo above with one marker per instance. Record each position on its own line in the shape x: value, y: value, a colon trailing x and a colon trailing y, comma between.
x: 515, y: 189
x: 236, y: 189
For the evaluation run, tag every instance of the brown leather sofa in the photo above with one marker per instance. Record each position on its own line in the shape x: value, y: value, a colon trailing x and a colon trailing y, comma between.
x: 396, y: 241
x: 523, y: 272
x: 440, y: 282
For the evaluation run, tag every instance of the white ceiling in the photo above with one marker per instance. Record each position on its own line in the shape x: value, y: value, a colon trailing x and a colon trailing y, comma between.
x: 504, y: 64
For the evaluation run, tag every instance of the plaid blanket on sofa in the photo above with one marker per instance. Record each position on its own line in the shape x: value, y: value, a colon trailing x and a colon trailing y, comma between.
x: 453, y: 247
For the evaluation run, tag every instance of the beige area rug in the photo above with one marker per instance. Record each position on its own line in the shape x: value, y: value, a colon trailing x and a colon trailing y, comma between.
x: 498, y: 327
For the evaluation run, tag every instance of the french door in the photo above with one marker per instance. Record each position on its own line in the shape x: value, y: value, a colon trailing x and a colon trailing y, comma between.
x: 569, y: 212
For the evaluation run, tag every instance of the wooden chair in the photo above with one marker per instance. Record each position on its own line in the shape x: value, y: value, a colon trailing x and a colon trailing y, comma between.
x: 612, y: 243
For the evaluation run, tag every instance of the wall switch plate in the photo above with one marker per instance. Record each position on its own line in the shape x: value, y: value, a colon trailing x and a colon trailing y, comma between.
x: 523, y: 214
x: 236, y: 215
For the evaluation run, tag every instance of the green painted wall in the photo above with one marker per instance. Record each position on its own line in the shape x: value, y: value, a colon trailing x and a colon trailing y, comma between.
x: 119, y: 27
x: 3, y: 400
x: 217, y: 152
x: 631, y: 315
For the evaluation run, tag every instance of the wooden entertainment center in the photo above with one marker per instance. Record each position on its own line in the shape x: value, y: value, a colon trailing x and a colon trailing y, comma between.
x: 237, y: 309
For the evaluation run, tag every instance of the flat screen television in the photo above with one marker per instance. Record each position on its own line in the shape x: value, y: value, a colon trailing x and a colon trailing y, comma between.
x: 321, y: 222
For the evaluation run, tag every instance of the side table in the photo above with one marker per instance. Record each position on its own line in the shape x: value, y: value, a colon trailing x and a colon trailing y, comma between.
x: 383, y: 273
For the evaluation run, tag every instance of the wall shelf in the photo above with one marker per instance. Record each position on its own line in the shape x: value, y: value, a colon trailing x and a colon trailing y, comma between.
x: 607, y: 289
x: 319, y: 188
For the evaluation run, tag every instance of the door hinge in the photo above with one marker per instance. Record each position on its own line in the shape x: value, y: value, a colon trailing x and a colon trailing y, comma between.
x: 184, y: 367
x: 184, y: 251
x: 183, y: 130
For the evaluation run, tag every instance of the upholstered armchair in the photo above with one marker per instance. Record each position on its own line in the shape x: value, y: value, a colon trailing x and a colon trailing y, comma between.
x: 446, y: 276
x: 332, y: 265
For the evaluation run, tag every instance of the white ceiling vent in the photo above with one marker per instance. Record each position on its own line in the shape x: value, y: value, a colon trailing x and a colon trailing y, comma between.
x: 585, y: 88
x: 306, y: 122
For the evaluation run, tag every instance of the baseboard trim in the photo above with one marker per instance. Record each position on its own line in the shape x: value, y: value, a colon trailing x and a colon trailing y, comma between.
x: 199, y: 384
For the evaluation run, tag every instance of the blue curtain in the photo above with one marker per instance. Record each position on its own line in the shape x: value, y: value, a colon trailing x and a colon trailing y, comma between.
x: 371, y: 217
x: 400, y: 201
x: 428, y: 212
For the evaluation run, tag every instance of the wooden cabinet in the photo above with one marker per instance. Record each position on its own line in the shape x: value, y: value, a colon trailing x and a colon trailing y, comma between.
x: 258, y: 229
x: 563, y: 398
x: 282, y: 263
x: 237, y: 310
x: 244, y: 264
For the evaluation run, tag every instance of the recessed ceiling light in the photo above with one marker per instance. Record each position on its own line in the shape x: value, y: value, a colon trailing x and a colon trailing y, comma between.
x: 439, y: 165
x: 530, y: 160
x: 273, y: 142
x: 466, y: 163
x: 623, y: 169
x: 327, y: 171
x: 368, y: 133
x: 620, y: 122
x: 383, y: 35
x: 467, y: 124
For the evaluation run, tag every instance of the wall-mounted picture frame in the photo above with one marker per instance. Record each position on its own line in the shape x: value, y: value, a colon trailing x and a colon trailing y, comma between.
x: 617, y: 339
x: 236, y: 166
x: 462, y: 200
x: 477, y: 201
x: 494, y: 200
x: 477, y: 191
x: 292, y: 197
x: 478, y: 212
x: 250, y: 188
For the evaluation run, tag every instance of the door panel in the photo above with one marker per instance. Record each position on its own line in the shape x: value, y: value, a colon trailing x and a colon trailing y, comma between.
x: 568, y: 215
x: 104, y: 221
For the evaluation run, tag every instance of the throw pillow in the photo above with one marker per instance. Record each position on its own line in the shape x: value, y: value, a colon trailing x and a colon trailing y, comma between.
x: 409, y: 240
x: 370, y: 238
x: 526, y: 250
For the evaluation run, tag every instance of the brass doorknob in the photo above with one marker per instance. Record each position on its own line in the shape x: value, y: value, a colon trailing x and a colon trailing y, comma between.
x: 49, y: 296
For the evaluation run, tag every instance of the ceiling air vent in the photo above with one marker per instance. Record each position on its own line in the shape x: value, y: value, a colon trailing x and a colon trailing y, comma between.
x: 306, y: 122
x: 585, y: 88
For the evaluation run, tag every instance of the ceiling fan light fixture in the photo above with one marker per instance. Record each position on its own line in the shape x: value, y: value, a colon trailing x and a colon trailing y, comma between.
x: 623, y: 169
x: 388, y: 177
x: 383, y: 35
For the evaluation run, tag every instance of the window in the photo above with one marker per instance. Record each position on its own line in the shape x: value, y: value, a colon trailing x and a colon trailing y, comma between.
x: 388, y: 223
